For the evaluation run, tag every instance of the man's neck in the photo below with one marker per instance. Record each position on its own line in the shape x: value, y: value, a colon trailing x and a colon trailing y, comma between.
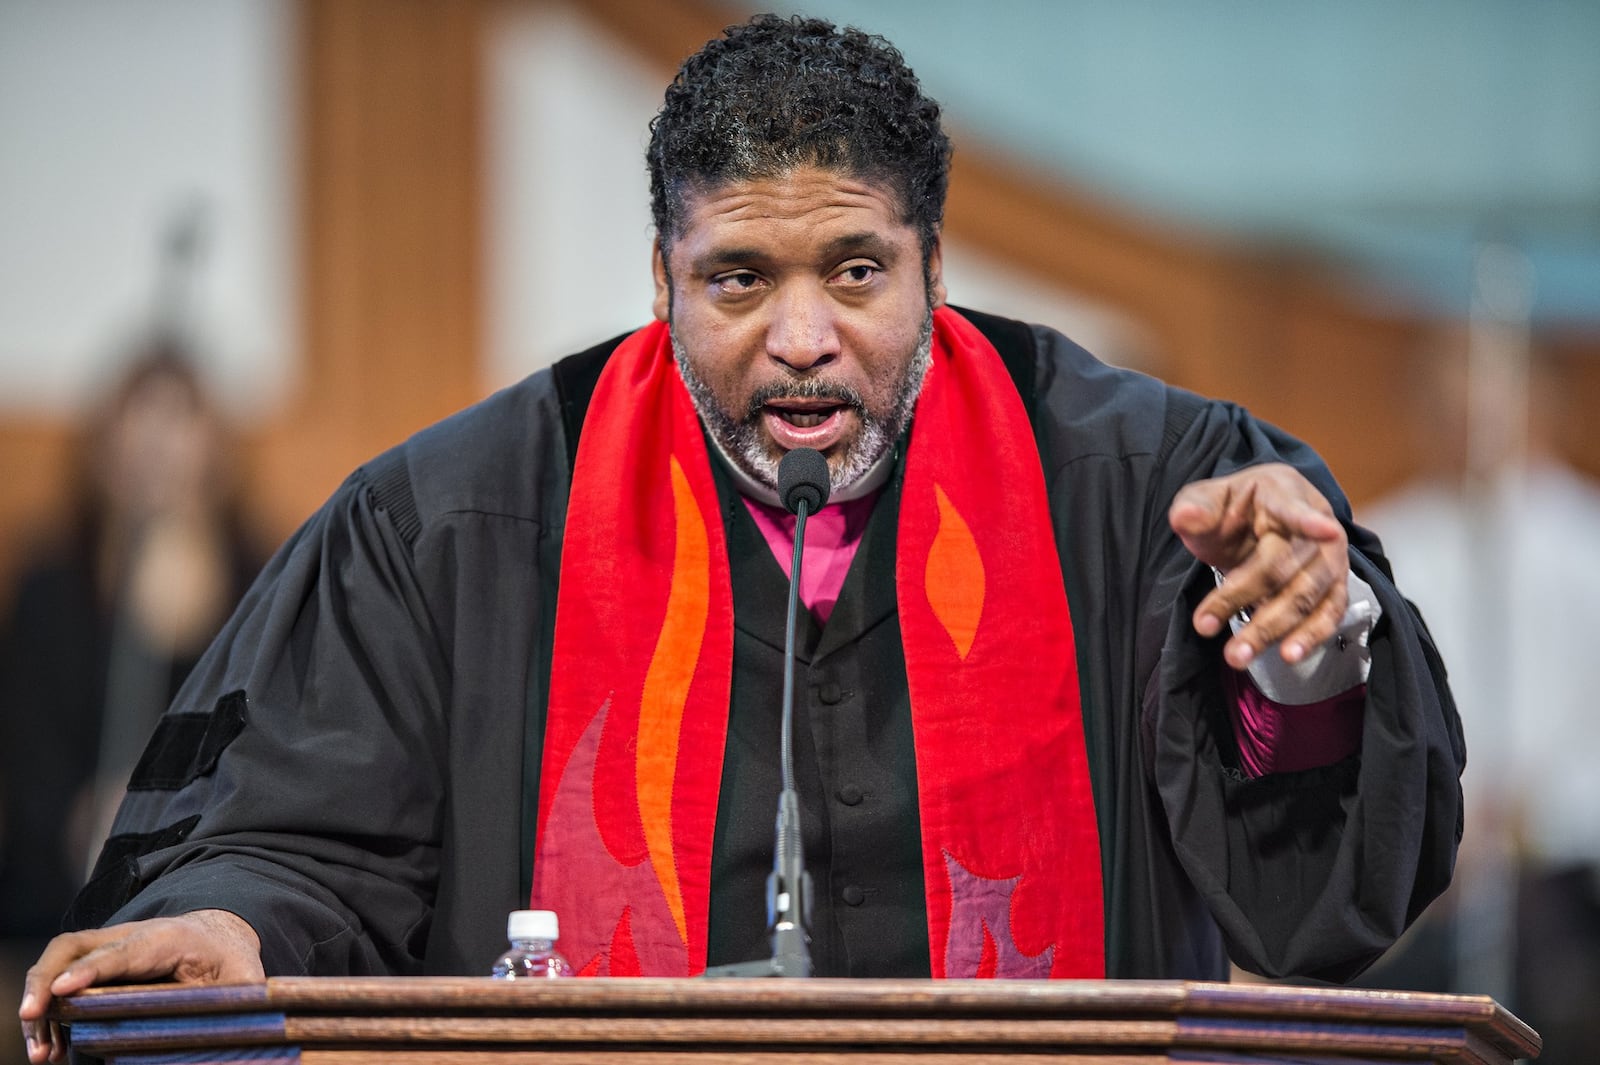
x: 868, y: 483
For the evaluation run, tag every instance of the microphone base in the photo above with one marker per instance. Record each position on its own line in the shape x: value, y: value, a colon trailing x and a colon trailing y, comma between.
x: 791, y: 957
x: 789, y: 965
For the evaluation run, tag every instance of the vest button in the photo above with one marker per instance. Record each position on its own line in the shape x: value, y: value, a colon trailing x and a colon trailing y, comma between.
x: 852, y: 895
x: 830, y: 692
x: 851, y: 795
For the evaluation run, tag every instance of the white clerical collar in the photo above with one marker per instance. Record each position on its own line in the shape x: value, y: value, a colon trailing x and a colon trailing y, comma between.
x: 875, y: 478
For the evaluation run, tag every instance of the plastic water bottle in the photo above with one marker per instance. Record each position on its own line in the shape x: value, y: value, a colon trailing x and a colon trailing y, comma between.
x: 533, y: 935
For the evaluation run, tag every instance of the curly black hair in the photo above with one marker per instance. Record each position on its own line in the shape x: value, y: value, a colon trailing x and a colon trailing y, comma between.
x: 772, y: 93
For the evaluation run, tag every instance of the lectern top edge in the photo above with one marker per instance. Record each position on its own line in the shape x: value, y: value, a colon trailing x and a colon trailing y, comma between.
x: 1059, y: 997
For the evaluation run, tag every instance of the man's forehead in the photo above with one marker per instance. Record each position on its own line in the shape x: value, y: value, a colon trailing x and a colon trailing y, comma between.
x: 796, y: 189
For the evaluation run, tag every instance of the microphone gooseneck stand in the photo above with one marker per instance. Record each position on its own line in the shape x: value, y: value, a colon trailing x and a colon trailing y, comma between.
x: 803, y: 485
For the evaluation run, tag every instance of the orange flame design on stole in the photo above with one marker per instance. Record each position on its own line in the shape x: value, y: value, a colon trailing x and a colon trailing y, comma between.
x: 666, y: 688
x: 954, y: 576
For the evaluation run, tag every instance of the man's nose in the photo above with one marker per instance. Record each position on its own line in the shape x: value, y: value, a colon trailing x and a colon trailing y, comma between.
x: 802, y: 331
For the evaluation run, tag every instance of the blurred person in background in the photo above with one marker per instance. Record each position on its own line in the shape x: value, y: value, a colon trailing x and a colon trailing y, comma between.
x: 1498, y: 542
x: 105, y: 622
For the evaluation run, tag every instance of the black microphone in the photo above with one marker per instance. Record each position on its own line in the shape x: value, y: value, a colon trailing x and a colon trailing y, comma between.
x: 803, y: 486
x: 803, y: 478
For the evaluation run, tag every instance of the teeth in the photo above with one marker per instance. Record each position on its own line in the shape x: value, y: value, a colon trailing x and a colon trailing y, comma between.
x: 805, y: 419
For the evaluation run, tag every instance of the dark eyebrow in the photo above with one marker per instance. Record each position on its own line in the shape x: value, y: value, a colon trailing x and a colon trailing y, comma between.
x: 716, y: 260
x: 867, y: 244
x: 851, y: 245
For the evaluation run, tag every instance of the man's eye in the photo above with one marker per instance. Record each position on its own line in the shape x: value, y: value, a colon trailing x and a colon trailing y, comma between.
x: 737, y: 282
x: 857, y: 273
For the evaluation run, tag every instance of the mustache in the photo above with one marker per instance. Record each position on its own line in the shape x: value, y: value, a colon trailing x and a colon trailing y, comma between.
x: 810, y: 389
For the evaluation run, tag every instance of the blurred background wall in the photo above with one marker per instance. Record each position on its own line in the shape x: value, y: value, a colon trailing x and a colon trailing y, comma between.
x: 364, y: 214
x: 402, y: 205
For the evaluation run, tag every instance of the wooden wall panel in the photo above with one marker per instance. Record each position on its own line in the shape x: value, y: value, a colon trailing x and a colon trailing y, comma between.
x: 390, y: 114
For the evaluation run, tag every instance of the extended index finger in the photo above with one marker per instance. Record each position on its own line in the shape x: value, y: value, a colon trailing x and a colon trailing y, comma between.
x: 1213, y: 519
x: 1295, y: 506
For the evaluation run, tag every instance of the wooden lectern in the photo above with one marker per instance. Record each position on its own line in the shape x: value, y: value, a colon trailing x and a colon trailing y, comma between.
x: 413, y: 1021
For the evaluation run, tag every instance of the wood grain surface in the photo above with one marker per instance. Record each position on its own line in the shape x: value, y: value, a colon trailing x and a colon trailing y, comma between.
x: 833, y: 1021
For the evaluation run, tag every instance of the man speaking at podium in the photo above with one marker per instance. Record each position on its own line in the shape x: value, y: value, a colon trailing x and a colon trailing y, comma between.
x: 1098, y: 678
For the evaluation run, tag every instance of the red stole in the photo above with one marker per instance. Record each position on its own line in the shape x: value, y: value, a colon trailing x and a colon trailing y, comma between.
x: 643, y: 659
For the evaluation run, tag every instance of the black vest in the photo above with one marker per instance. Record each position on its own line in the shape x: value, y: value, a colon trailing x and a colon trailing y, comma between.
x: 855, y: 765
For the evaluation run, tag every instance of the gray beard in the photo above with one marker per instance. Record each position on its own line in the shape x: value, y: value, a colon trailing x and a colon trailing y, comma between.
x: 741, y: 439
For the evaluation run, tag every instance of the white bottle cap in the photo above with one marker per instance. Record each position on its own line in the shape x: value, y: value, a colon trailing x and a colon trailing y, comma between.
x: 533, y: 924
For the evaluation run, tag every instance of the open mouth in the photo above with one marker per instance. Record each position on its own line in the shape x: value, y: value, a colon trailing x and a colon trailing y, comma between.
x: 807, y: 417
x: 794, y: 421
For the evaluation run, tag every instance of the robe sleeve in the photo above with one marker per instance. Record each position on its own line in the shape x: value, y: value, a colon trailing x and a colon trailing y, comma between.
x: 297, y: 780
x: 1316, y: 872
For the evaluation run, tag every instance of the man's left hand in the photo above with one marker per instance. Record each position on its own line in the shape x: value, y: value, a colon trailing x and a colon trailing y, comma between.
x: 1284, y: 555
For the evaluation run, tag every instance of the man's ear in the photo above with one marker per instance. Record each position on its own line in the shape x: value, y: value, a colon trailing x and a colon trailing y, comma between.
x: 936, y: 293
x: 662, y: 307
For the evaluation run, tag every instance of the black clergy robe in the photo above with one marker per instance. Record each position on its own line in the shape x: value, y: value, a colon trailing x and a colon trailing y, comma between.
x: 353, y: 768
